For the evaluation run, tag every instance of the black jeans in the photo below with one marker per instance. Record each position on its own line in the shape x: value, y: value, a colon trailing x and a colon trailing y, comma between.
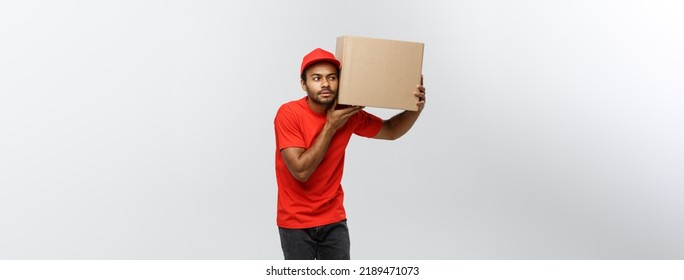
x: 328, y: 242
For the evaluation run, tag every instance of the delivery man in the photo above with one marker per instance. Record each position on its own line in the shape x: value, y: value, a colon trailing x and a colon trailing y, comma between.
x: 311, y: 138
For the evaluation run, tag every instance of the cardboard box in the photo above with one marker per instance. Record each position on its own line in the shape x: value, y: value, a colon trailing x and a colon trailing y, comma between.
x: 379, y: 72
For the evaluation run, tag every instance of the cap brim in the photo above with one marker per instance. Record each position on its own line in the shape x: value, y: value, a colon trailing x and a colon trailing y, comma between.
x: 312, y: 62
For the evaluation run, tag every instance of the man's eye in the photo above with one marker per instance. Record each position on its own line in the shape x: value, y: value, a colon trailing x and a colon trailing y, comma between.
x: 316, y: 78
x: 332, y: 78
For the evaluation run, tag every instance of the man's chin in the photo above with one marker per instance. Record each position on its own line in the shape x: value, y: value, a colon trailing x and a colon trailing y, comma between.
x: 325, y: 101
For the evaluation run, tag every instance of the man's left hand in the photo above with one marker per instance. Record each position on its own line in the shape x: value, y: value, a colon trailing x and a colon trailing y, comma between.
x: 420, y: 93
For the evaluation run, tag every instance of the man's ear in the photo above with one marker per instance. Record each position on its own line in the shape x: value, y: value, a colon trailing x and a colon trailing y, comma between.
x: 303, y: 84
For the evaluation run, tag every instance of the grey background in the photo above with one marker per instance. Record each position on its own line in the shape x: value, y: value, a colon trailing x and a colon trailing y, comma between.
x: 143, y: 129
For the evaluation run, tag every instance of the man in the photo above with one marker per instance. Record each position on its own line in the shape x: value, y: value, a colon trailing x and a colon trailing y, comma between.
x: 311, y: 138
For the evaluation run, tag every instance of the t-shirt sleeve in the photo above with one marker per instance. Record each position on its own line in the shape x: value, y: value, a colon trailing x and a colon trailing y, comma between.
x: 287, y: 129
x: 368, y: 125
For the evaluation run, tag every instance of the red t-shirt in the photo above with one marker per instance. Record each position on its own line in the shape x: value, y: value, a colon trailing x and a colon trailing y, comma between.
x: 318, y: 201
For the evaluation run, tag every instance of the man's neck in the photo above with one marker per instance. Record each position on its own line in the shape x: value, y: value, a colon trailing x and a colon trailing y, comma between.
x: 316, y: 107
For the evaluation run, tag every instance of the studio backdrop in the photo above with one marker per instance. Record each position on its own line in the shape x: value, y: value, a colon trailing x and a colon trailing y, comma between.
x: 144, y: 129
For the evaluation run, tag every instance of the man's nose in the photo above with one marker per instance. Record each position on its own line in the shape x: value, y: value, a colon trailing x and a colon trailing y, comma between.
x: 325, y: 83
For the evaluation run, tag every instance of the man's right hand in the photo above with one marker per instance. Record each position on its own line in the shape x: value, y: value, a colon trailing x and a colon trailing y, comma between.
x: 336, y: 118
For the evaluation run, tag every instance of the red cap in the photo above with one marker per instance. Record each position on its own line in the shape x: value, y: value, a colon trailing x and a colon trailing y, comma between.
x: 318, y: 55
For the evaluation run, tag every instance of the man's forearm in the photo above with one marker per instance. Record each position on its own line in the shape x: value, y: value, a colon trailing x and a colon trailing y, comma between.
x: 402, y: 123
x: 303, y: 162
x: 309, y: 160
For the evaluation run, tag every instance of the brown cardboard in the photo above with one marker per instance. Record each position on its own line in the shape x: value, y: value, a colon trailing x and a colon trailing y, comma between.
x: 379, y: 72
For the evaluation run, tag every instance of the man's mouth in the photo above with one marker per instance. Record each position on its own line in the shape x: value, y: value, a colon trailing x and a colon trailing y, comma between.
x: 325, y: 93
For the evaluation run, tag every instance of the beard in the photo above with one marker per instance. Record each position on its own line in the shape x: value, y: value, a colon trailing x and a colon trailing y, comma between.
x: 318, y: 99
